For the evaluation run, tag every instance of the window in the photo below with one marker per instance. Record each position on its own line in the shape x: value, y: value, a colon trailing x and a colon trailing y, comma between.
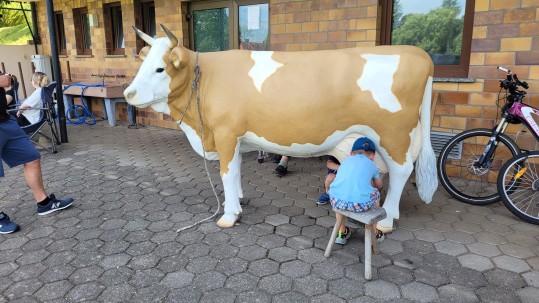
x: 82, y: 31
x: 223, y: 25
x: 60, y: 33
x: 114, y: 30
x: 145, y: 20
x: 443, y: 28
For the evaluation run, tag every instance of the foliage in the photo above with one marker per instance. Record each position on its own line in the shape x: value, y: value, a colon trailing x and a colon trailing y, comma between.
x: 211, y: 27
x: 15, y: 35
x: 437, y: 32
x: 13, y: 17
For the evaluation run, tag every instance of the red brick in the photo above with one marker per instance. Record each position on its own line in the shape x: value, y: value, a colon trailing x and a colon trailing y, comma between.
x: 529, y: 29
x: 535, y: 43
x: 483, y: 72
x: 356, y: 13
x: 302, y: 16
x: 519, y: 15
x: 485, y: 45
x: 455, y: 97
x: 346, y: 3
x: 445, y: 109
x: 502, y: 31
x: 492, y: 86
x: 527, y: 58
x: 479, y: 123
x: 327, y: 4
x: 486, y: 18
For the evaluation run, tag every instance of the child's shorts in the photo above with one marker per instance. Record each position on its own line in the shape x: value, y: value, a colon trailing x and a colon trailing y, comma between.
x: 355, y: 206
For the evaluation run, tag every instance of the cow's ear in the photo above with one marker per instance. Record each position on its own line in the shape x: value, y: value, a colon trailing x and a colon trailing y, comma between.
x: 179, y: 57
x: 143, y: 52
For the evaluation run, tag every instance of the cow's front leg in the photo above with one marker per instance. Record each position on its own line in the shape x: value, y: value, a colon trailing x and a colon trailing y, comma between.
x: 230, y: 163
x: 398, y: 175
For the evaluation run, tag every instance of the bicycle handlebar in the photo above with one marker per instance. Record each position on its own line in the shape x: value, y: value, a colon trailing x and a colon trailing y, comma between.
x: 505, y: 70
x: 511, y: 82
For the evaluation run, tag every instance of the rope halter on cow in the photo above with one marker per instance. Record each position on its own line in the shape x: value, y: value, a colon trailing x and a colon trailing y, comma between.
x: 194, y: 88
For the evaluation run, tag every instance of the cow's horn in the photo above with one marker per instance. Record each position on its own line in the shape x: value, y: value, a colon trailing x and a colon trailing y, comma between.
x: 143, y: 36
x: 171, y: 37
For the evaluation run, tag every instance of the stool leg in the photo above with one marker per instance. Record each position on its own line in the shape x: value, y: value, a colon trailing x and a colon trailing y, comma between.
x: 333, y: 236
x: 368, y: 243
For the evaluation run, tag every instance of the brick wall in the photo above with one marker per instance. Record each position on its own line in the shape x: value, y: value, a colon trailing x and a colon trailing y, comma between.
x: 505, y: 33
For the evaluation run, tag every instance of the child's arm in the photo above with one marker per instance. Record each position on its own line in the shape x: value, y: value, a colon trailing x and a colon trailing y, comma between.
x: 332, y: 165
x: 377, y: 182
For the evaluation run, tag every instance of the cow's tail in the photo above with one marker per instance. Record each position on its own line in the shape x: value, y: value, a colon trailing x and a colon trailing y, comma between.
x: 425, y: 169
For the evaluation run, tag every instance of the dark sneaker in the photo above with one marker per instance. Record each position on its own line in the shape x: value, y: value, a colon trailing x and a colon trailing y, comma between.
x: 324, y: 199
x: 276, y: 159
x: 380, y: 236
x: 6, y: 225
x: 280, y: 170
x: 342, y: 238
x: 54, y: 205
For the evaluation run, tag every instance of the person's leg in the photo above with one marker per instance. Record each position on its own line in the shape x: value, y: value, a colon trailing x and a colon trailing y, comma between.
x: 34, y: 179
x: 324, y: 198
x: 282, y: 168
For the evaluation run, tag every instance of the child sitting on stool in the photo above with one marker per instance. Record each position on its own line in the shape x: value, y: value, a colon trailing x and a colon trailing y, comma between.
x: 357, y: 185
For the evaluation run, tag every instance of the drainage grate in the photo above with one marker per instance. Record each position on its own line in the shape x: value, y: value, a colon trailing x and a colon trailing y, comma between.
x: 439, y: 139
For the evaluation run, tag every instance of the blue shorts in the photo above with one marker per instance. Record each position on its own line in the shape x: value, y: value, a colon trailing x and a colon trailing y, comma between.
x: 355, y: 206
x: 16, y: 148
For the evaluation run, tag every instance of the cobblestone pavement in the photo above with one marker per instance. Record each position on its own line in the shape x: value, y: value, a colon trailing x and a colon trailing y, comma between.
x: 135, y: 187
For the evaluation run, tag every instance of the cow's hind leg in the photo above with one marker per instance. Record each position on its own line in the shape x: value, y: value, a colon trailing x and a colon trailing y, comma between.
x: 230, y: 174
x: 398, y: 175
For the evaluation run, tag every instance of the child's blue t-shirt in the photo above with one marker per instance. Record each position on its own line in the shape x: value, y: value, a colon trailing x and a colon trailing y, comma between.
x: 354, y: 180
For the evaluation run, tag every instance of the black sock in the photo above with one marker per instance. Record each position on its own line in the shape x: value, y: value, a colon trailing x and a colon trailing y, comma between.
x: 45, y: 202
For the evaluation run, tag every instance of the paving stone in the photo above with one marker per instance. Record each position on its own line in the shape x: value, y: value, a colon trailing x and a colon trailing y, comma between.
x: 419, y: 292
x: 484, y: 249
x: 275, y: 284
x: 476, y: 262
x: 532, y: 278
x: 495, y: 294
x: 254, y: 296
x: 22, y: 288
x: 383, y: 290
x: 85, y: 292
x: 505, y: 279
x: 153, y: 293
x: 467, y: 277
x: 528, y: 294
x: 450, y: 248
x: 242, y: 282
x: 511, y: 264
x: 117, y: 293
x: 343, y: 289
x: 396, y: 275
x: 516, y: 250
x: 221, y: 295
x: 453, y: 293
x: 295, y: 269
x: 311, y: 285
x: 431, y: 276
x: 116, y: 275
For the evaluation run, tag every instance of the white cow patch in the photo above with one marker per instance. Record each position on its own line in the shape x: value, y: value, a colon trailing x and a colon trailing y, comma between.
x: 264, y: 67
x: 196, y: 143
x: 377, y: 77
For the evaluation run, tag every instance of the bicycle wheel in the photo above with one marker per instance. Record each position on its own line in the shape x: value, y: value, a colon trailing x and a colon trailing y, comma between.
x: 518, y: 184
x: 459, y: 176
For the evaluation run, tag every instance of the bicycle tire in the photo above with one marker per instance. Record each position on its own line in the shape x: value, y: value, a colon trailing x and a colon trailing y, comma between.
x: 522, y: 172
x: 463, y: 181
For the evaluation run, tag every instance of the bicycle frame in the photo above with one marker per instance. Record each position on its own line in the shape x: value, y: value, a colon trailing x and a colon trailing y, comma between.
x: 524, y: 113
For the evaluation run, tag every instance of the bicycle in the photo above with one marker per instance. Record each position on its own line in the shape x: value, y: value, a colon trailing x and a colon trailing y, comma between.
x: 469, y: 163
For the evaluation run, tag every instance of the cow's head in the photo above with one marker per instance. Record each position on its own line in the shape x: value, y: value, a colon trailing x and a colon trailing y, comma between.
x: 164, y: 60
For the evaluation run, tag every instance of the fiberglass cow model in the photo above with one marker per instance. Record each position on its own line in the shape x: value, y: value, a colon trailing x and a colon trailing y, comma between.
x: 301, y: 104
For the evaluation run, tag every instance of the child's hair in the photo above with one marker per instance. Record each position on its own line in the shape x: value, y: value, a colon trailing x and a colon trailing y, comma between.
x: 40, y: 79
x: 363, y: 152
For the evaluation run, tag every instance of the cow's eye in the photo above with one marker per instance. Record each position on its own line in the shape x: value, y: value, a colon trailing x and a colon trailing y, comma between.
x: 160, y: 70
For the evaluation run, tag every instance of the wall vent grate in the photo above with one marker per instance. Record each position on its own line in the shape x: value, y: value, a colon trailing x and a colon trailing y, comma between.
x: 439, y: 139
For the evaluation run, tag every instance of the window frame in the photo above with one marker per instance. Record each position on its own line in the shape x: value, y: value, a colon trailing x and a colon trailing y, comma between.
x: 60, y: 33
x: 441, y: 71
x: 233, y: 20
x: 80, y: 31
x: 141, y: 9
x: 112, y: 22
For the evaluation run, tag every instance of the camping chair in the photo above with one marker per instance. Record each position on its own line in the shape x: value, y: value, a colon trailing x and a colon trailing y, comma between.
x: 47, y: 116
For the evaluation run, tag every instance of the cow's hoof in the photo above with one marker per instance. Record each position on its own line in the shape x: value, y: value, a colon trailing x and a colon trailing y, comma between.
x: 386, y: 226
x: 227, y: 221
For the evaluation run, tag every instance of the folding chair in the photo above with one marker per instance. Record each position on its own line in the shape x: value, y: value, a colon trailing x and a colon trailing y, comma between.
x: 47, y: 116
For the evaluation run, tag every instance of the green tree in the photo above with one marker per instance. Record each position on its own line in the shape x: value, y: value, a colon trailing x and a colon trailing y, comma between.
x: 437, y: 32
x: 211, y: 30
x: 12, y: 17
x: 397, y: 14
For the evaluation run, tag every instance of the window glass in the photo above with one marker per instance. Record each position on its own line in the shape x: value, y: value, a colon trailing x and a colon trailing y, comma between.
x: 148, y: 18
x: 211, y: 30
x: 117, y: 27
x: 86, y: 31
x: 253, y: 27
x: 60, y: 33
x: 435, y: 26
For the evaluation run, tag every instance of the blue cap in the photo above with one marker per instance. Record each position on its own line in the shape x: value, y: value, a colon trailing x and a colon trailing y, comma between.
x: 364, y: 143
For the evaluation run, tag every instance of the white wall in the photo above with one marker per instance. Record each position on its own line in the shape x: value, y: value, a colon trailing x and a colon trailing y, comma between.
x: 11, y: 55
